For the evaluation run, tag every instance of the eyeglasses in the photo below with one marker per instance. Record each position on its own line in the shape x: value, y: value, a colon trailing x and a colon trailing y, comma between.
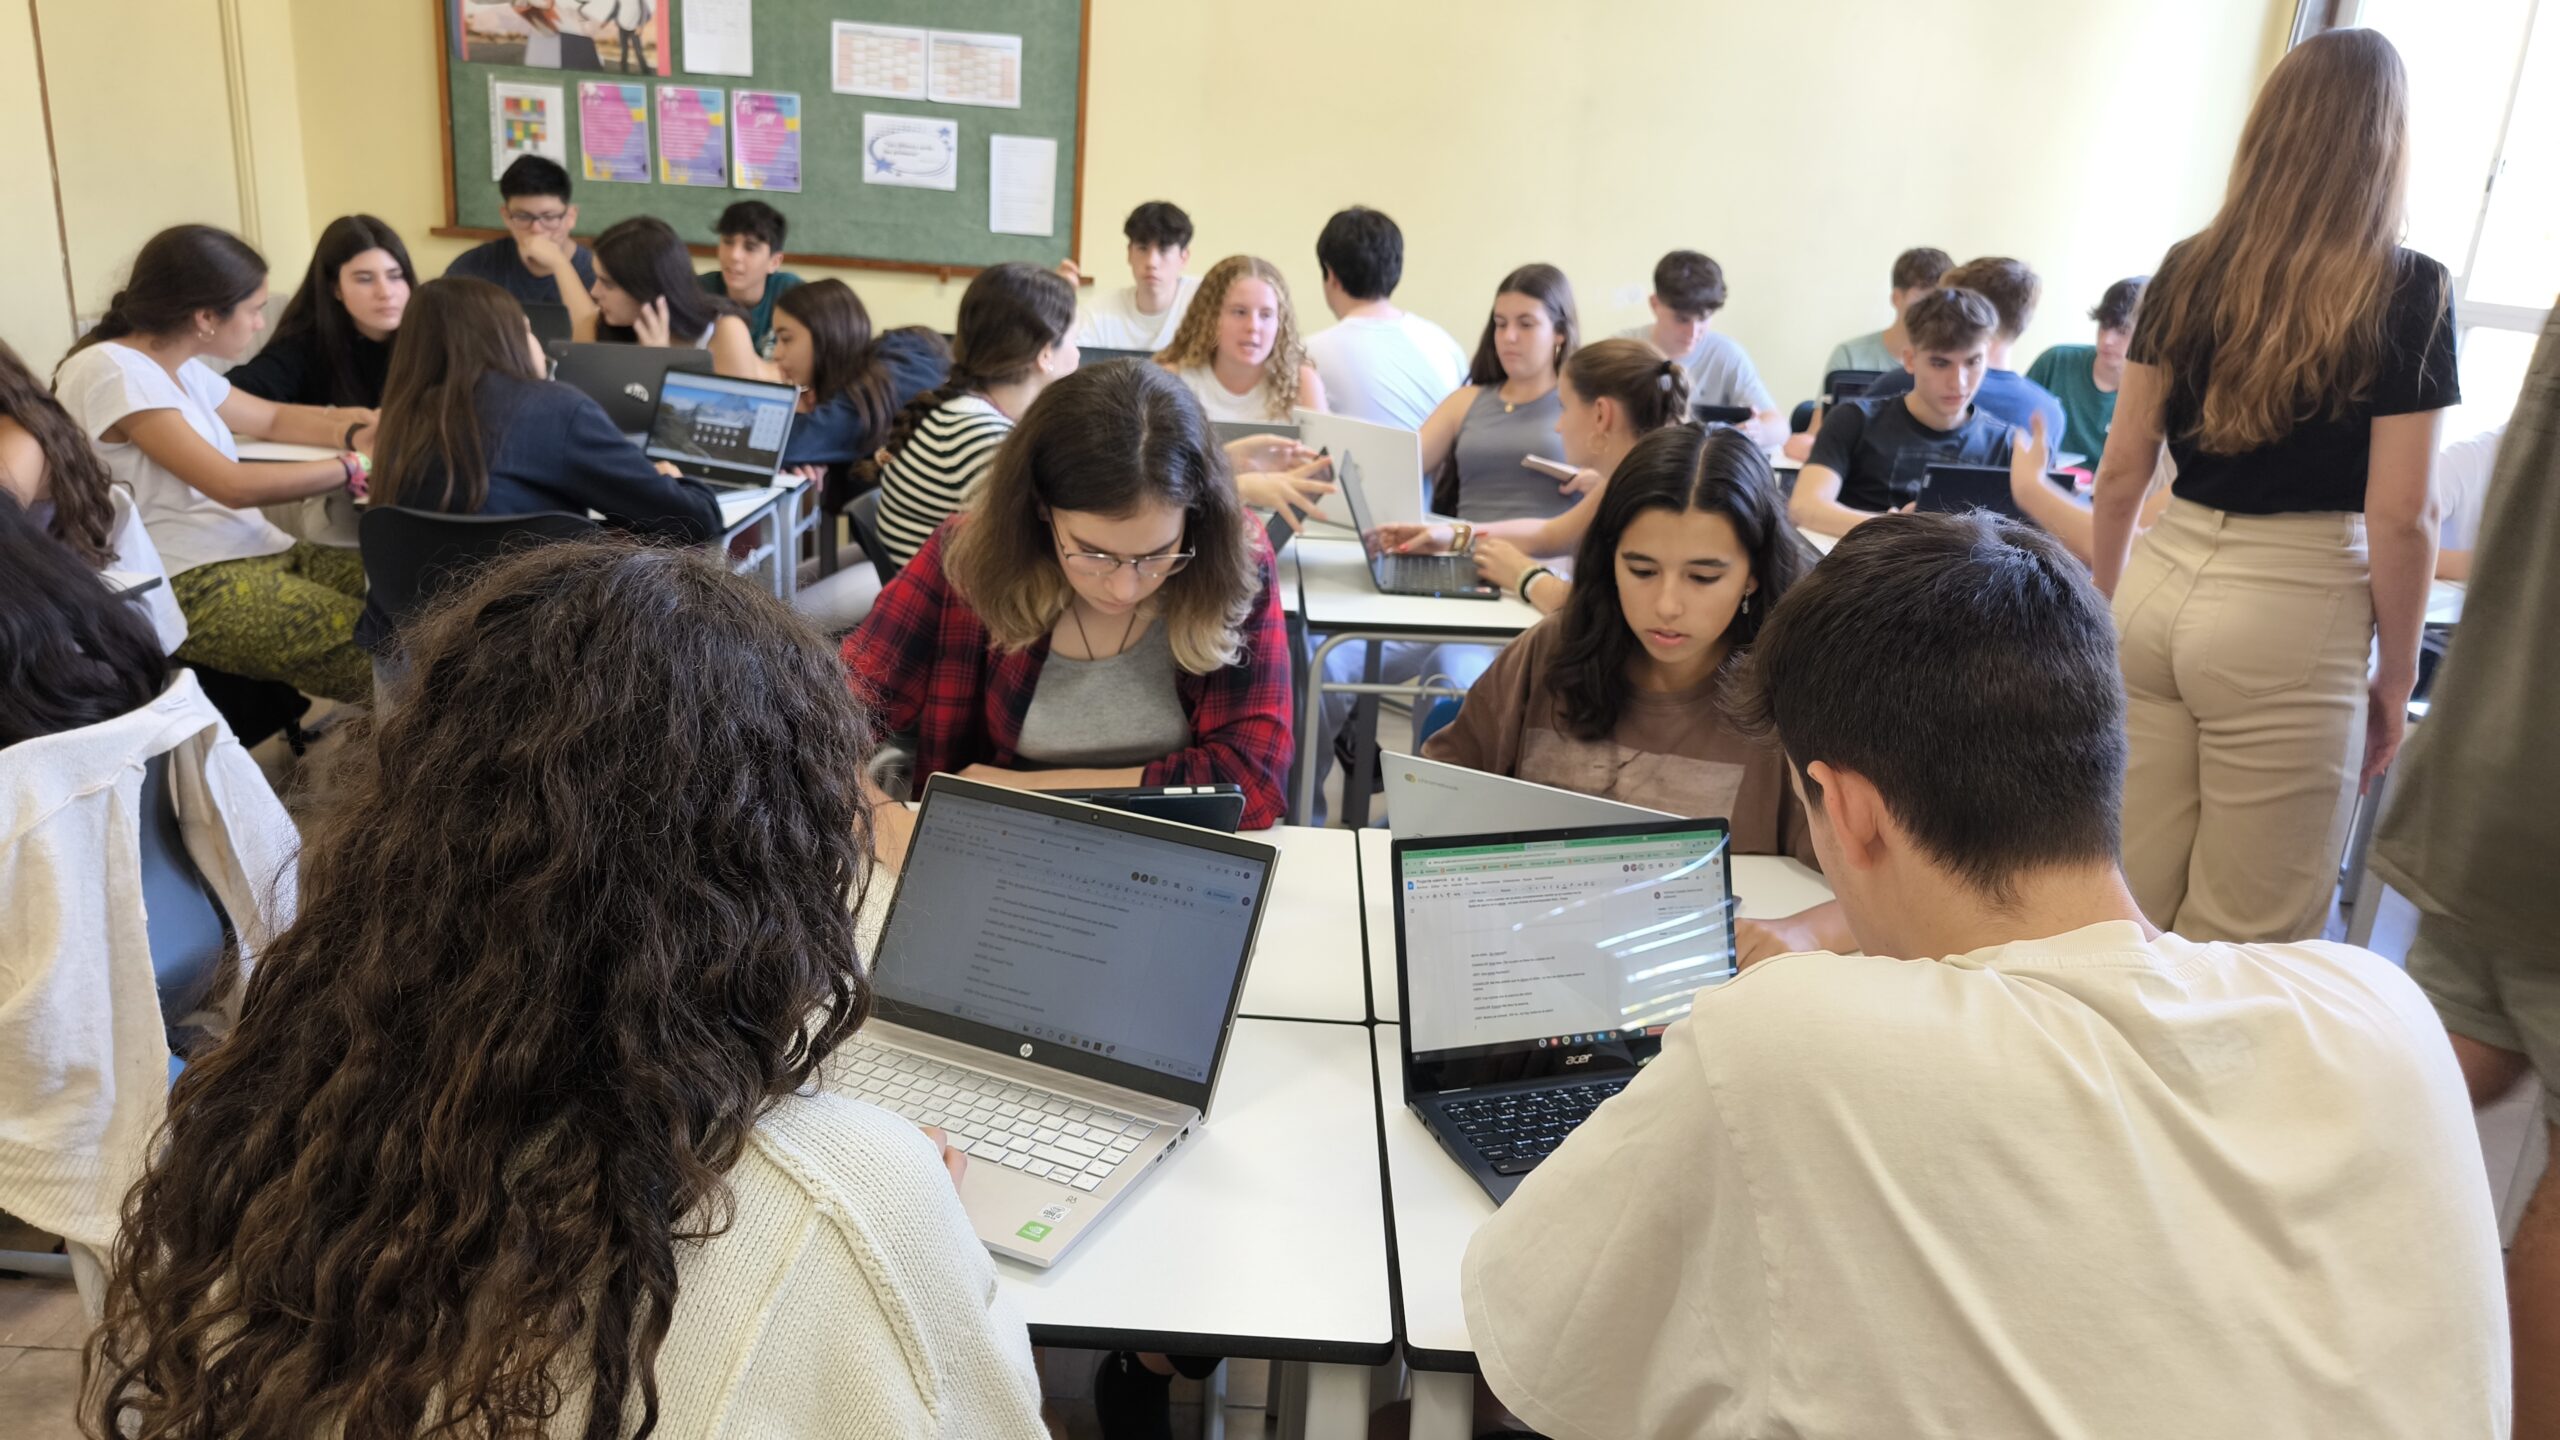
x: 1095, y: 565
x: 519, y: 217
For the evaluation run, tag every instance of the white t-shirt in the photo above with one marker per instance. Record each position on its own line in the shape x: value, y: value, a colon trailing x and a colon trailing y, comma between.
x: 107, y: 382
x: 136, y: 555
x: 1221, y: 404
x: 2074, y: 1187
x: 1393, y: 370
x: 1720, y: 370
x: 1112, y: 320
x: 2463, y: 469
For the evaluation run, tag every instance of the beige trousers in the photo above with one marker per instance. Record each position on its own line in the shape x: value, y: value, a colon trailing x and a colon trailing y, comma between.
x: 2244, y: 641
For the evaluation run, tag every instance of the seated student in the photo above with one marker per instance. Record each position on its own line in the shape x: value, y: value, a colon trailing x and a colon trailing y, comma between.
x: 1688, y: 290
x: 1237, y: 348
x: 1614, y: 393
x: 852, y: 384
x: 1951, y: 1186
x: 1014, y: 337
x: 2013, y: 290
x: 1916, y: 272
x: 645, y: 294
x: 1145, y: 315
x: 751, y: 276
x: 258, y: 602
x: 2084, y: 377
x: 622, y: 781
x: 470, y: 427
x: 1875, y: 454
x: 1377, y: 363
x: 58, y: 479
x: 2462, y: 475
x: 1099, y: 617
x: 332, y: 345
x: 537, y: 248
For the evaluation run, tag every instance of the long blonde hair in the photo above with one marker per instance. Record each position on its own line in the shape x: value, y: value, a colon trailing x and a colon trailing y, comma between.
x: 1195, y: 342
x: 2280, y: 302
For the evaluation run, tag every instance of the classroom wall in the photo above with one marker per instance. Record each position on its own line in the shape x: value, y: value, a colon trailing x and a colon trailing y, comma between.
x: 35, y: 305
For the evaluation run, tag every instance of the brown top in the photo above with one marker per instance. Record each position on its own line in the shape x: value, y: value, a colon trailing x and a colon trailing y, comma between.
x: 1671, y: 751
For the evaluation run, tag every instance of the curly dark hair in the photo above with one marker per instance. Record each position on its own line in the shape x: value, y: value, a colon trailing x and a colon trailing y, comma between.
x: 576, y: 913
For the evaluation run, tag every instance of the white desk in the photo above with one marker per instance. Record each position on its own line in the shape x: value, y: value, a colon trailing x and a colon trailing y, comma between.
x: 1343, y: 604
x: 1308, y: 959
x: 1764, y: 888
x: 1437, y: 1210
x: 1265, y: 1235
x: 2444, y: 601
x: 777, y: 553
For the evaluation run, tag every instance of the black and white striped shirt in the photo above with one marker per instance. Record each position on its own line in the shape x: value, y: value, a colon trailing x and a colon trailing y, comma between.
x: 937, y: 471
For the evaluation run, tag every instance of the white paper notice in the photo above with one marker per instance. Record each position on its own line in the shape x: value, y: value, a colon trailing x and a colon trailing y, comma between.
x: 884, y: 60
x: 526, y: 120
x: 970, y: 68
x: 720, y: 37
x: 912, y: 150
x: 1022, y: 185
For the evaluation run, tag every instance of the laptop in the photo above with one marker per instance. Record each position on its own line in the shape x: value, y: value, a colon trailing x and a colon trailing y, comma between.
x: 1951, y: 489
x: 624, y: 379
x: 1538, y: 970
x: 1211, y: 807
x: 549, y: 321
x: 1228, y: 432
x: 1445, y: 576
x: 1427, y: 799
x: 721, y: 431
x: 1842, y: 385
x: 1389, y: 456
x: 1056, y: 984
x: 1098, y: 355
x: 1721, y: 414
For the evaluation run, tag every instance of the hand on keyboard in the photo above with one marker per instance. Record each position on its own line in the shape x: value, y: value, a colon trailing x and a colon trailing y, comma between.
x: 954, y: 1159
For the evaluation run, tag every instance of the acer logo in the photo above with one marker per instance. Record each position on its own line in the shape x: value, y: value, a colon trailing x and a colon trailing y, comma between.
x: 1577, y: 1059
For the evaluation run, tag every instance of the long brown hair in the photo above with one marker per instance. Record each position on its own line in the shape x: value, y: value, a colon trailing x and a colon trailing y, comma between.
x: 84, y: 511
x: 431, y: 451
x: 545, y: 978
x: 843, y: 358
x: 1546, y: 285
x: 645, y: 257
x: 1008, y: 315
x: 1106, y: 440
x: 2279, y: 304
x: 1195, y: 340
x: 1653, y: 391
x: 178, y: 274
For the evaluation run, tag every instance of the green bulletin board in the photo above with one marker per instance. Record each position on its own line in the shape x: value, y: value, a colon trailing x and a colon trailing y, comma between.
x: 835, y: 218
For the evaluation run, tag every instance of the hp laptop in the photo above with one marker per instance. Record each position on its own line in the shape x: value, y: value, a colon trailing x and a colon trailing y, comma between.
x: 1056, y: 985
x: 1448, y: 576
x: 1426, y: 800
x: 721, y: 431
x: 1538, y: 970
x: 624, y: 378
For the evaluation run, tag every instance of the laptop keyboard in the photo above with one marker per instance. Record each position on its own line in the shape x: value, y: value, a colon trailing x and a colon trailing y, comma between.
x: 1428, y: 574
x: 1020, y: 1127
x: 1512, y: 1133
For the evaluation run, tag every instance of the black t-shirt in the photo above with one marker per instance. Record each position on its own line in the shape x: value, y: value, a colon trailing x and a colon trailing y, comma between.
x: 292, y: 371
x: 1882, y: 453
x: 2320, y: 465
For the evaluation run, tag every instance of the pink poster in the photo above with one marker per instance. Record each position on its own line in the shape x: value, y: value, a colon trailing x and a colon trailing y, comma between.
x: 768, y: 126
x: 693, y: 135
x: 613, y: 130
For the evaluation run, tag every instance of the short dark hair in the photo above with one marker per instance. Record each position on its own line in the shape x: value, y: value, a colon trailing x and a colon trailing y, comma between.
x: 533, y: 175
x: 2115, y: 309
x: 757, y: 221
x: 1921, y: 267
x: 1365, y: 252
x: 2010, y: 286
x: 1949, y: 320
x: 1689, y: 283
x: 1965, y: 666
x: 1158, y: 225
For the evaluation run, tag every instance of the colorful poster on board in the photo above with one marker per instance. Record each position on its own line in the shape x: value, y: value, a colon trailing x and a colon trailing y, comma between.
x: 767, y: 126
x: 526, y: 120
x: 693, y: 135
x: 623, y: 36
x: 613, y: 131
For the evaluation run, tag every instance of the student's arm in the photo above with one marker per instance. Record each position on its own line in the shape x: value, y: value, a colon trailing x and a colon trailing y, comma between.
x: 832, y: 433
x: 1815, y: 505
x: 2125, y: 473
x: 2453, y: 565
x: 549, y: 257
x: 1823, y: 927
x: 1310, y: 388
x: 174, y: 445
x: 1440, y: 430
x: 1240, y: 716
x: 323, y: 425
x: 2062, y: 517
x: 606, y: 473
x: 1549, y: 538
x: 2400, y: 522
x: 1768, y: 424
x: 733, y: 351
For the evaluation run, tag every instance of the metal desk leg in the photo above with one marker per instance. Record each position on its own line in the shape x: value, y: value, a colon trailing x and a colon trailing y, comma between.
x: 1444, y: 1405
x: 1323, y: 1402
x: 1357, y: 775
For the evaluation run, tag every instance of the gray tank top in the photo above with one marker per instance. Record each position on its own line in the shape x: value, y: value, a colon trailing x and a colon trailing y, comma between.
x: 1123, y: 710
x: 1492, y: 483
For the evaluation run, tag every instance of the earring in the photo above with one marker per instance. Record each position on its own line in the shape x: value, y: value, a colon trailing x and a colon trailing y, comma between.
x: 1746, y: 602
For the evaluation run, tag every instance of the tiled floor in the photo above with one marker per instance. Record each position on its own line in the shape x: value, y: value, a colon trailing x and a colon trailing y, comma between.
x: 41, y: 1328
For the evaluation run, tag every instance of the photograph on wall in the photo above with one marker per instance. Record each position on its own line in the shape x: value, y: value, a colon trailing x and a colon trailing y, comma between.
x: 627, y: 37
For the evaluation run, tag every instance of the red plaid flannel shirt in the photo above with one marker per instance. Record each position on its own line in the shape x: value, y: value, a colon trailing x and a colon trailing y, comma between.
x: 923, y: 663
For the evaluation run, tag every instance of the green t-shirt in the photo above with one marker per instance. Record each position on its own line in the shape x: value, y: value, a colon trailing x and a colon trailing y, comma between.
x: 760, y: 314
x: 2070, y: 372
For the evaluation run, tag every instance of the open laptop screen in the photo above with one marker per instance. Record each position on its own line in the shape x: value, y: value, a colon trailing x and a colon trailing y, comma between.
x: 716, y: 420
x: 1072, y: 929
x: 1589, y: 937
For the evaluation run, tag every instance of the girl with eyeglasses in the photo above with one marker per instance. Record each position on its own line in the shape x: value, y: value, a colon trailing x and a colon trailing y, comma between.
x: 1100, y: 616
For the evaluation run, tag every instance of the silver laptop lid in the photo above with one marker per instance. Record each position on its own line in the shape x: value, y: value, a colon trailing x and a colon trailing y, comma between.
x: 721, y: 423
x: 1093, y: 941
x: 1426, y: 798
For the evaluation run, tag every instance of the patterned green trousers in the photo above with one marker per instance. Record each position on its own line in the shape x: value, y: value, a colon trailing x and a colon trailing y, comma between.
x: 288, y: 617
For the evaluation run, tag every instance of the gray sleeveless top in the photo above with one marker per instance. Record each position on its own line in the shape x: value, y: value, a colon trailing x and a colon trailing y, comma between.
x: 1492, y: 483
x: 1121, y: 710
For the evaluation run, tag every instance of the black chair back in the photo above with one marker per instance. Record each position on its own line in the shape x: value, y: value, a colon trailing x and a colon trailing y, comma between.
x: 863, y: 518
x: 411, y: 556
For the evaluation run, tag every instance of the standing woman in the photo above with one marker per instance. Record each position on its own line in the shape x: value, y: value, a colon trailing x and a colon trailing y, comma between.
x: 1238, y: 347
x: 258, y: 602
x: 851, y: 383
x: 646, y: 294
x: 2296, y: 361
x: 332, y: 346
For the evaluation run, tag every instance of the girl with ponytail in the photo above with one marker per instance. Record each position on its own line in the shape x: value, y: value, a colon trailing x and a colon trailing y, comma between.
x: 257, y: 601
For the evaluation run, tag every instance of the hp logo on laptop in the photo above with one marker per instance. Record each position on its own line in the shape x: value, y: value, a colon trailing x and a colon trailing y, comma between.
x: 637, y: 391
x: 1025, y: 1051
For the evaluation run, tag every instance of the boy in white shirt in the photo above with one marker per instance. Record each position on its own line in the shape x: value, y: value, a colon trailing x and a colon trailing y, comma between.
x: 1688, y: 290
x: 2027, y: 1166
x: 1145, y: 315
x: 1378, y: 363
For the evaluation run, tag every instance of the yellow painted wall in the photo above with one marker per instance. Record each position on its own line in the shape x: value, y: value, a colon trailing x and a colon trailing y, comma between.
x: 35, y: 309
